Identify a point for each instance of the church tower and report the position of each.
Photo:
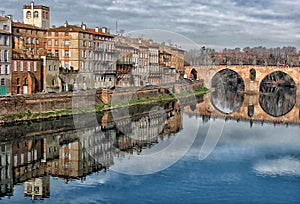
(36, 15)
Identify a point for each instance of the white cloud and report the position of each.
(220, 23)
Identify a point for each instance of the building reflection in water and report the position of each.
(73, 154)
(277, 94)
(227, 95)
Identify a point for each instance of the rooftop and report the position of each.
(23, 25)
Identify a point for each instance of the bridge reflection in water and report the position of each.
(276, 102)
(31, 153)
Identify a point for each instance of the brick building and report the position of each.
(28, 47)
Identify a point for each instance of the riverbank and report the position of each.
(49, 106)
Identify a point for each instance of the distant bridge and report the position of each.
(252, 84)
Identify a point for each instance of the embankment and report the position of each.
(42, 106)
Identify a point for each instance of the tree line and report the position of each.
(285, 56)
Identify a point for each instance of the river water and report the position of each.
(163, 153)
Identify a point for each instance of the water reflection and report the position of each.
(227, 96)
(32, 154)
(277, 94)
(49, 149)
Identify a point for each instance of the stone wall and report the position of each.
(39, 103)
(46, 102)
(126, 94)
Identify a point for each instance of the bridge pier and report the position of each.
(298, 88)
(251, 87)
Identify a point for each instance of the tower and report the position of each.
(36, 15)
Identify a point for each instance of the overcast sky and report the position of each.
(212, 23)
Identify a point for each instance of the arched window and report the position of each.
(28, 14)
(25, 81)
(36, 14)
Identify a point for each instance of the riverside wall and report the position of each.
(40, 103)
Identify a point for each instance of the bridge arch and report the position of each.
(194, 74)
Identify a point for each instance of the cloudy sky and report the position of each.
(213, 23)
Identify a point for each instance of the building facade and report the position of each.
(103, 62)
(51, 80)
(5, 55)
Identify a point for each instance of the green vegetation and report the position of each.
(52, 114)
(97, 108)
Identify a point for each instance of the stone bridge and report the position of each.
(252, 84)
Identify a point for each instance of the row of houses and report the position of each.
(141, 62)
(38, 58)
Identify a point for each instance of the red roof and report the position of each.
(23, 25)
(93, 31)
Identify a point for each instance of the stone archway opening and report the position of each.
(227, 91)
(194, 74)
(277, 93)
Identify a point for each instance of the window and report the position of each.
(67, 33)
(5, 27)
(18, 81)
(49, 34)
(49, 67)
(56, 42)
(28, 66)
(67, 54)
(56, 34)
(49, 42)
(3, 147)
(3, 71)
(15, 160)
(29, 156)
(36, 14)
(67, 43)
(22, 158)
(2, 82)
(34, 66)
(28, 14)
(7, 68)
(56, 53)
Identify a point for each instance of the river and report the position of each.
(159, 153)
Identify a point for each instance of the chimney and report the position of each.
(83, 26)
(97, 29)
(10, 17)
(104, 29)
